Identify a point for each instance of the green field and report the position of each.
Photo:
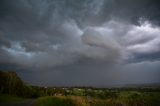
(54, 101)
(124, 98)
(9, 99)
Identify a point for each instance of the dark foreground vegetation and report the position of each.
(13, 89)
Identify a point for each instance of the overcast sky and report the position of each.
(81, 42)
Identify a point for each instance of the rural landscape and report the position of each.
(14, 92)
(79, 52)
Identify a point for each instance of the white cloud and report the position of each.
(143, 39)
(100, 45)
(113, 41)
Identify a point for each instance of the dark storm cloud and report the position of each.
(42, 35)
(95, 74)
(133, 10)
(45, 29)
(143, 57)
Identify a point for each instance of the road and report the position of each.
(29, 102)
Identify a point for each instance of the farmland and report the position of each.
(14, 90)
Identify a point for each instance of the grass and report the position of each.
(140, 99)
(9, 99)
(54, 101)
(123, 99)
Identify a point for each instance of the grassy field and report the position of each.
(54, 101)
(118, 98)
(125, 98)
(9, 99)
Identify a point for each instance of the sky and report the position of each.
(97, 43)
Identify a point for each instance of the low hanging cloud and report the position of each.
(52, 35)
(110, 42)
(144, 41)
(101, 46)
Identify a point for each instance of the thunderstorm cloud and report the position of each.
(81, 42)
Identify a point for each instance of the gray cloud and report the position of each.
(96, 74)
(68, 35)
(101, 46)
